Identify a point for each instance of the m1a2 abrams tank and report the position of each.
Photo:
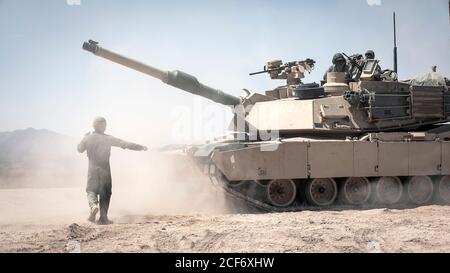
(359, 143)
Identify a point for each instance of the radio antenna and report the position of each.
(395, 46)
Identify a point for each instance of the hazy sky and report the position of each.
(47, 81)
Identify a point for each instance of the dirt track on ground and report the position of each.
(424, 229)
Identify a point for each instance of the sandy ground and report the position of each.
(35, 221)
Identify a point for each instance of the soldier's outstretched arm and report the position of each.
(126, 145)
(135, 147)
(82, 146)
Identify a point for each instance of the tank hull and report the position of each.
(395, 170)
(308, 158)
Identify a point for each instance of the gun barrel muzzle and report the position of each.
(91, 46)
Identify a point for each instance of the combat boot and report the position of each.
(104, 221)
(94, 211)
(104, 206)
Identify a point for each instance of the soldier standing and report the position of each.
(99, 184)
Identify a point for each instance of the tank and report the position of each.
(355, 142)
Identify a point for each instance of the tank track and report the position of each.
(221, 182)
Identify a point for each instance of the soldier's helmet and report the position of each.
(99, 124)
(338, 58)
(370, 55)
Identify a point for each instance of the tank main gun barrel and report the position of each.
(175, 78)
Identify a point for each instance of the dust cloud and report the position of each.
(155, 183)
(144, 183)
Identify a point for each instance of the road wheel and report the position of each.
(281, 192)
(321, 191)
(420, 189)
(444, 189)
(355, 191)
(389, 190)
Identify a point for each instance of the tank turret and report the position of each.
(175, 78)
(339, 108)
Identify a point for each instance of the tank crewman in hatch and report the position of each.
(99, 184)
(354, 63)
(370, 55)
(339, 65)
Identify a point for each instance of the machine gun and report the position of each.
(293, 72)
(353, 61)
(175, 78)
(356, 67)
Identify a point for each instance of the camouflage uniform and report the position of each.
(99, 183)
(339, 65)
(353, 70)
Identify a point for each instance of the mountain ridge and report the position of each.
(35, 157)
